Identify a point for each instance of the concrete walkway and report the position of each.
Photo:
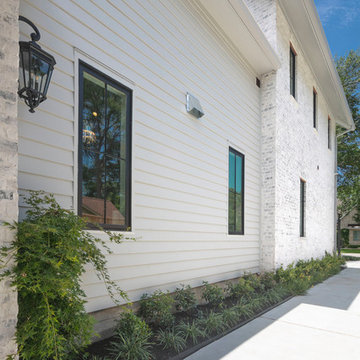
(351, 254)
(322, 325)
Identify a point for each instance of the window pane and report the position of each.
(314, 109)
(302, 208)
(116, 117)
(231, 192)
(236, 192)
(239, 195)
(92, 206)
(292, 73)
(115, 191)
(356, 235)
(103, 150)
(93, 114)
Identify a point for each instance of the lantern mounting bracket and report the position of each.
(34, 36)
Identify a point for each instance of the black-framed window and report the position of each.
(236, 192)
(292, 71)
(314, 108)
(302, 207)
(329, 133)
(104, 150)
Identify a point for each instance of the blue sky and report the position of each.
(341, 22)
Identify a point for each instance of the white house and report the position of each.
(248, 186)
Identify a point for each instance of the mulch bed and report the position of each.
(99, 348)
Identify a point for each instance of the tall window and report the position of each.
(302, 207)
(104, 150)
(329, 133)
(314, 108)
(292, 71)
(236, 192)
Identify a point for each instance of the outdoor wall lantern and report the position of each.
(35, 69)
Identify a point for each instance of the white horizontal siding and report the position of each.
(179, 163)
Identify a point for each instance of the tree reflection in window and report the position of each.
(104, 150)
(236, 193)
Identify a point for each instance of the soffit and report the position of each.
(235, 20)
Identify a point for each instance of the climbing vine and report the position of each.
(44, 263)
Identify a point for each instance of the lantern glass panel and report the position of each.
(24, 77)
(39, 71)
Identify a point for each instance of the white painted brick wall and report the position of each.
(9, 37)
(301, 151)
(268, 165)
(292, 149)
(264, 12)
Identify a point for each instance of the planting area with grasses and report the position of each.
(350, 250)
(172, 325)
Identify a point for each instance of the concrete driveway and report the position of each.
(324, 324)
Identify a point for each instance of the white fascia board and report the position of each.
(305, 22)
(236, 21)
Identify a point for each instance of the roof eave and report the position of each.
(305, 21)
(237, 23)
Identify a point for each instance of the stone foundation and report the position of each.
(9, 59)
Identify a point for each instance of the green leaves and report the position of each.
(212, 294)
(348, 145)
(191, 331)
(185, 298)
(298, 278)
(156, 309)
(132, 339)
(171, 339)
(49, 253)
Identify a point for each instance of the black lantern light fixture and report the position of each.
(35, 69)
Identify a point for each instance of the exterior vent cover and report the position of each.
(193, 106)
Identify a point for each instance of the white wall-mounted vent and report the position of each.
(193, 106)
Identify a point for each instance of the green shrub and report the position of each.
(298, 278)
(257, 303)
(132, 339)
(230, 317)
(275, 295)
(191, 331)
(130, 325)
(345, 238)
(254, 281)
(350, 258)
(185, 298)
(239, 289)
(50, 251)
(212, 294)
(213, 323)
(171, 339)
(87, 356)
(268, 280)
(244, 310)
(156, 309)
